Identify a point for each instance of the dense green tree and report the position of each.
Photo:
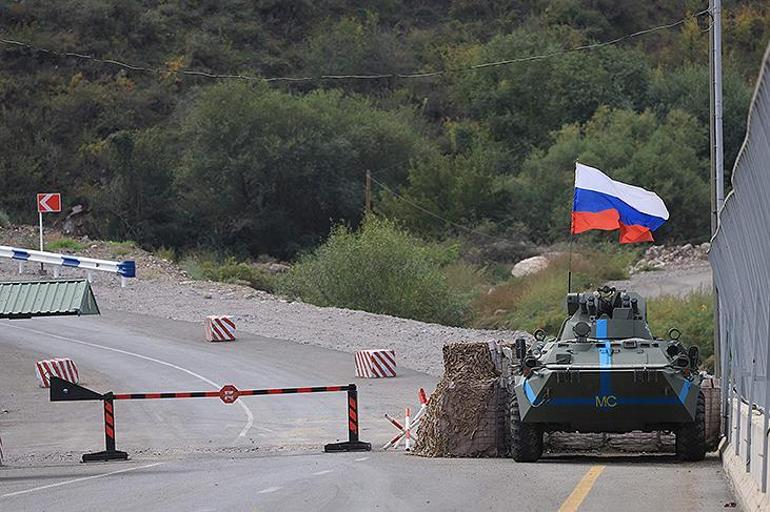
(687, 89)
(354, 47)
(523, 102)
(138, 200)
(270, 172)
(464, 187)
(635, 148)
(607, 19)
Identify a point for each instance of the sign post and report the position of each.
(47, 203)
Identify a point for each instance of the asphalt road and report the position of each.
(679, 282)
(264, 453)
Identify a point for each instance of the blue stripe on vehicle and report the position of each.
(605, 361)
(601, 329)
(684, 391)
(70, 262)
(531, 396)
(634, 400)
(576, 400)
(648, 400)
(20, 255)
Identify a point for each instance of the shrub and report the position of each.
(381, 268)
(65, 244)
(166, 253)
(5, 219)
(692, 314)
(208, 267)
(467, 281)
(120, 249)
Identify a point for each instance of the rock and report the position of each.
(208, 296)
(661, 257)
(530, 266)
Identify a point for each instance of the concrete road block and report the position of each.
(62, 367)
(219, 328)
(374, 364)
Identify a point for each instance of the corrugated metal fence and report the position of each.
(740, 257)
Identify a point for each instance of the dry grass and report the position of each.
(537, 301)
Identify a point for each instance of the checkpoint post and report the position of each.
(62, 391)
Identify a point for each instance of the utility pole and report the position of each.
(717, 148)
(368, 193)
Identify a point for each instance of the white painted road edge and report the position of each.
(249, 415)
(76, 480)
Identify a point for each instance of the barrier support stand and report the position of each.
(110, 453)
(353, 444)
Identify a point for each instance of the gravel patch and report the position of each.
(166, 294)
(678, 282)
(418, 345)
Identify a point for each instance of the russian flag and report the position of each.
(603, 203)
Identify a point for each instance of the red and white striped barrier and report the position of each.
(62, 367)
(220, 328)
(375, 363)
(407, 431)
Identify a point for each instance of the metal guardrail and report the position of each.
(738, 257)
(125, 269)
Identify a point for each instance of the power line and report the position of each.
(377, 76)
(593, 46)
(437, 216)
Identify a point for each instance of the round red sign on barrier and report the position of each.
(229, 394)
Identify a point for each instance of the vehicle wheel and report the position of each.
(691, 437)
(526, 438)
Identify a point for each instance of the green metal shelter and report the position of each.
(60, 297)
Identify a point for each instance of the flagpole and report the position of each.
(569, 271)
(571, 236)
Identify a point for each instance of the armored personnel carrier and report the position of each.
(605, 372)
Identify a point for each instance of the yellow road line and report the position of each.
(574, 500)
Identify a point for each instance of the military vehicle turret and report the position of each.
(605, 372)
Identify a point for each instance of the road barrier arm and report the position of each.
(62, 390)
(125, 269)
(240, 392)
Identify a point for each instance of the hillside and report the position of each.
(112, 103)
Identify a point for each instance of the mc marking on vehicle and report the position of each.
(606, 401)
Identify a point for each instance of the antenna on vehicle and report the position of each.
(571, 238)
(569, 265)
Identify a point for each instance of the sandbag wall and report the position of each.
(467, 414)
